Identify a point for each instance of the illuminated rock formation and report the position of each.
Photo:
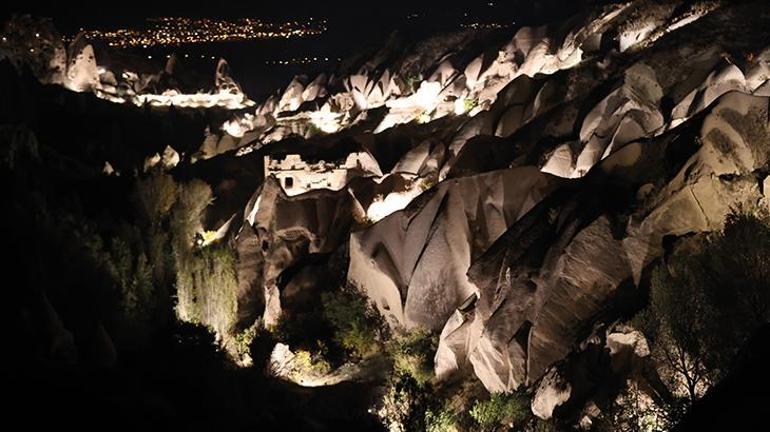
(413, 263)
(548, 179)
(279, 230)
(552, 271)
(82, 71)
(37, 44)
(297, 176)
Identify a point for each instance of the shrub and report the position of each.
(412, 354)
(634, 411)
(242, 342)
(308, 363)
(355, 324)
(470, 104)
(502, 409)
(441, 420)
(130, 273)
(404, 405)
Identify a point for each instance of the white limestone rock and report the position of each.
(627, 114)
(412, 264)
(82, 71)
(552, 391)
(280, 230)
(169, 158)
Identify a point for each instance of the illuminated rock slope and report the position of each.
(110, 75)
(540, 197)
(520, 183)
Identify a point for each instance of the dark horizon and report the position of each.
(362, 15)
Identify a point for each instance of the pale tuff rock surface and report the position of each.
(510, 262)
(82, 71)
(78, 67)
(552, 391)
(413, 263)
(513, 193)
(611, 354)
(626, 348)
(530, 322)
(517, 197)
(442, 76)
(285, 229)
(625, 115)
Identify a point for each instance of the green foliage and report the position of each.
(206, 279)
(308, 363)
(441, 420)
(540, 425)
(355, 324)
(243, 340)
(313, 130)
(632, 411)
(133, 259)
(412, 82)
(502, 409)
(410, 402)
(427, 183)
(186, 216)
(470, 104)
(412, 354)
(207, 288)
(130, 269)
(404, 405)
(18, 144)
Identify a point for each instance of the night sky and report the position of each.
(362, 15)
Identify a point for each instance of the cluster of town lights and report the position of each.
(298, 60)
(485, 26)
(173, 31)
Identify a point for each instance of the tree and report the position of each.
(154, 196)
(705, 305)
(682, 314)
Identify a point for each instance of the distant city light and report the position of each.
(297, 61)
(173, 31)
(485, 26)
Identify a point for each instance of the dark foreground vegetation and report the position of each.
(95, 267)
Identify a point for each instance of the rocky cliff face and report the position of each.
(521, 184)
(516, 266)
(81, 67)
(563, 163)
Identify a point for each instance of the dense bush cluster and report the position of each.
(501, 410)
(412, 354)
(355, 324)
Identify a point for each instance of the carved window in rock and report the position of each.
(288, 182)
